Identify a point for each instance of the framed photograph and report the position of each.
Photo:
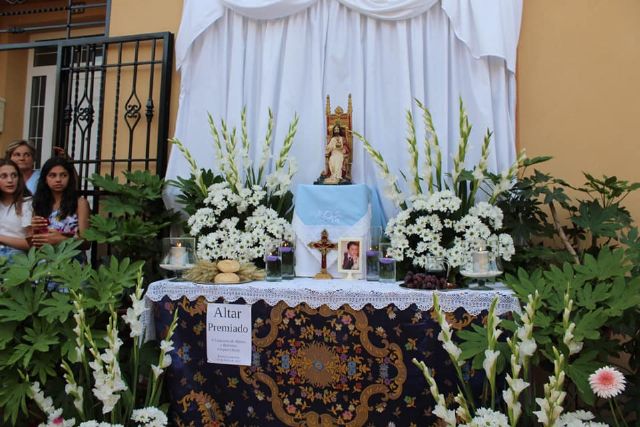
(350, 250)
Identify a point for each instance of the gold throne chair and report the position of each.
(338, 124)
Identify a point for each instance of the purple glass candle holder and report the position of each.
(287, 259)
(273, 267)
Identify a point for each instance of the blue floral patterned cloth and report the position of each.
(344, 366)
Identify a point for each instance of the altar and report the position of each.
(334, 352)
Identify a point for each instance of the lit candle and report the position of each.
(480, 259)
(178, 255)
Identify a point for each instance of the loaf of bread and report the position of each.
(226, 278)
(228, 266)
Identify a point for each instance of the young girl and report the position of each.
(58, 212)
(15, 210)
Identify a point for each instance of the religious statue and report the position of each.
(338, 149)
(337, 153)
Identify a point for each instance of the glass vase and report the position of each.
(287, 258)
(386, 264)
(273, 265)
(373, 269)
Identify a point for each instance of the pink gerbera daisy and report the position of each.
(607, 382)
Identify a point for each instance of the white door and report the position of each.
(39, 101)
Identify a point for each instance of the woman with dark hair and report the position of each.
(15, 210)
(58, 212)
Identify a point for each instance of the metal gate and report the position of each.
(112, 104)
(112, 100)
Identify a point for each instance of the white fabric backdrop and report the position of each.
(289, 54)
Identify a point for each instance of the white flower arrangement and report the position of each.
(442, 220)
(236, 225)
(273, 175)
(435, 226)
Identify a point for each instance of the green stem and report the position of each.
(465, 386)
(615, 403)
(134, 379)
(613, 412)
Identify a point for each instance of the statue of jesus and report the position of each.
(336, 154)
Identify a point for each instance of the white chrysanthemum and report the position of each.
(93, 423)
(150, 417)
(488, 418)
(578, 419)
(417, 233)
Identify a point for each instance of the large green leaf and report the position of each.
(579, 371)
(13, 398)
(600, 221)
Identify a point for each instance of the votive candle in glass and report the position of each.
(288, 261)
(387, 267)
(273, 267)
(373, 269)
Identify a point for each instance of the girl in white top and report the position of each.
(15, 211)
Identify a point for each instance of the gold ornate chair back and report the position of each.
(343, 120)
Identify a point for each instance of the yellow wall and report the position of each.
(579, 88)
(149, 16)
(13, 67)
(14, 63)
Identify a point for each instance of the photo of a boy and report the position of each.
(351, 258)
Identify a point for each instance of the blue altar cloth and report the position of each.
(349, 367)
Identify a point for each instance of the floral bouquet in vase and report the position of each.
(245, 209)
(440, 222)
(436, 227)
(236, 226)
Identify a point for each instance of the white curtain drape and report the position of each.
(287, 55)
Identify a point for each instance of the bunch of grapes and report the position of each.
(424, 281)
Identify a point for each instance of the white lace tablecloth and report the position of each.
(335, 293)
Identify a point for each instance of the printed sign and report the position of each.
(229, 334)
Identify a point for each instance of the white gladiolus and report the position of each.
(489, 362)
(166, 361)
(447, 415)
(44, 403)
(157, 371)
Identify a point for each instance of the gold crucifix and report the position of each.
(324, 246)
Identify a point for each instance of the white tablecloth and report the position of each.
(333, 293)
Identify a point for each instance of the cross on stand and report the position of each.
(324, 246)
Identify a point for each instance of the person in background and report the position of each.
(59, 213)
(15, 210)
(23, 154)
